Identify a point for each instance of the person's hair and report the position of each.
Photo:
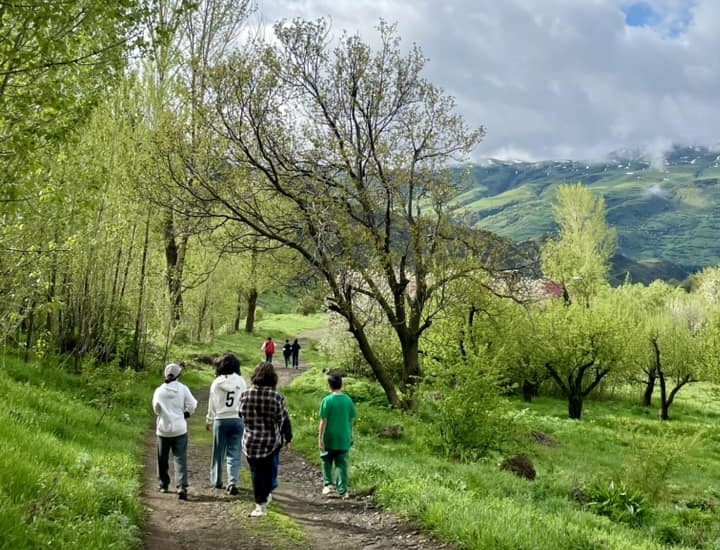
(227, 364)
(264, 375)
(335, 381)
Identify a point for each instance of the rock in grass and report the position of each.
(520, 465)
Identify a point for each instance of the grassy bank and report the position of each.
(71, 456)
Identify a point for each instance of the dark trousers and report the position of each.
(178, 446)
(262, 476)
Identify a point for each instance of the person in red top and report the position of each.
(268, 348)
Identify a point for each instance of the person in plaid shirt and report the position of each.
(263, 411)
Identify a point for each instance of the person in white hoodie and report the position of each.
(173, 404)
(227, 426)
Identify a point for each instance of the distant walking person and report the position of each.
(173, 404)
(287, 352)
(295, 352)
(337, 414)
(268, 348)
(264, 411)
(224, 420)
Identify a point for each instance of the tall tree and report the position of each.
(579, 258)
(185, 39)
(343, 155)
(57, 62)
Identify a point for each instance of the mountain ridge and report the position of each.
(664, 210)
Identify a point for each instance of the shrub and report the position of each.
(616, 502)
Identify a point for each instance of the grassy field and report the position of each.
(618, 479)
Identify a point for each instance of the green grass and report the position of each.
(63, 482)
(675, 465)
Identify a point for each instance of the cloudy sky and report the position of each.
(558, 79)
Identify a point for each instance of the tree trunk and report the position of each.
(251, 306)
(575, 406)
(175, 249)
(238, 312)
(649, 388)
(378, 369)
(664, 405)
(30, 331)
(411, 374)
(201, 316)
(529, 390)
(134, 352)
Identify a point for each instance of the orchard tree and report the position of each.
(344, 154)
(679, 347)
(582, 345)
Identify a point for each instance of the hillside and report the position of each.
(665, 215)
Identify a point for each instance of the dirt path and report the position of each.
(210, 519)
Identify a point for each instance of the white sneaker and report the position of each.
(260, 510)
(327, 489)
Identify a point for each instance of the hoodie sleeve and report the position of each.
(210, 416)
(190, 401)
(156, 403)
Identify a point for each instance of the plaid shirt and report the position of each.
(263, 410)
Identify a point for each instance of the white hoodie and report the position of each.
(170, 402)
(225, 397)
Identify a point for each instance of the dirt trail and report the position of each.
(210, 519)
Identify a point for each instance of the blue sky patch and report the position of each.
(640, 15)
(669, 19)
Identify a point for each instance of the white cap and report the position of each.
(172, 371)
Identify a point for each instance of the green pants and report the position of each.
(339, 459)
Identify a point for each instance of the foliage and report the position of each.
(649, 465)
(462, 393)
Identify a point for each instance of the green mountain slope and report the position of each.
(664, 215)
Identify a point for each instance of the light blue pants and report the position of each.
(226, 451)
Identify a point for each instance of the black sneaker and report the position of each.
(182, 494)
(232, 490)
(163, 489)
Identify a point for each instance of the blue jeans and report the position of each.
(227, 447)
(275, 470)
(178, 446)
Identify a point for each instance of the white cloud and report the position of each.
(557, 78)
